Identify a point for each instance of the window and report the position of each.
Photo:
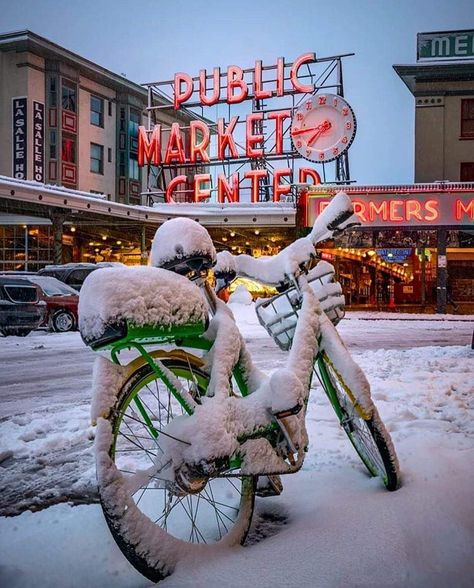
(122, 163)
(97, 111)
(97, 158)
(109, 154)
(53, 147)
(133, 170)
(69, 96)
(110, 108)
(52, 92)
(467, 118)
(68, 150)
(133, 123)
(467, 171)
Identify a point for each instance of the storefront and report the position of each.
(414, 249)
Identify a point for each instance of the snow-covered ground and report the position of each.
(332, 526)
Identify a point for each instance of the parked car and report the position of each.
(61, 303)
(72, 274)
(21, 309)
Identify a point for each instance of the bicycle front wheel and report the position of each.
(154, 518)
(369, 437)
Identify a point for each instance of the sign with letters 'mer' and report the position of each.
(445, 45)
(19, 137)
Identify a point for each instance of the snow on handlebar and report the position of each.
(274, 270)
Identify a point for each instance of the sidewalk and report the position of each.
(371, 315)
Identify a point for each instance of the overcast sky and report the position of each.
(150, 40)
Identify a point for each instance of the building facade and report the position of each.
(442, 83)
(67, 121)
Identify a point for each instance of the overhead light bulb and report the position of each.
(73, 229)
(232, 234)
(257, 232)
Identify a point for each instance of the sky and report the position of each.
(150, 40)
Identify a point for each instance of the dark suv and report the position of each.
(21, 310)
(72, 274)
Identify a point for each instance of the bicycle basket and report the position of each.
(279, 314)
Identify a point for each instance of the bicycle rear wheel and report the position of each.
(369, 438)
(154, 518)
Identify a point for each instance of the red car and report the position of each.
(61, 302)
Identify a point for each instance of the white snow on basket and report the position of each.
(141, 295)
(275, 269)
(180, 238)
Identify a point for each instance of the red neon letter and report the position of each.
(432, 207)
(216, 87)
(175, 149)
(235, 79)
(462, 209)
(151, 150)
(225, 191)
(280, 189)
(255, 175)
(258, 91)
(199, 141)
(413, 209)
(312, 173)
(279, 117)
(225, 138)
(297, 85)
(199, 192)
(280, 76)
(381, 209)
(359, 209)
(181, 95)
(172, 185)
(253, 121)
(394, 214)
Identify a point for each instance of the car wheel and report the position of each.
(63, 321)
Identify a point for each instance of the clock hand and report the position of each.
(322, 128)
(305, 130)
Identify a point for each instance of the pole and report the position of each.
(143, 251)
(442, 274)
(57, 218)
(26, 248)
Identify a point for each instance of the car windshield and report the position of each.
(52, 286)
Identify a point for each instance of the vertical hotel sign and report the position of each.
(19, 136)
(38, 141)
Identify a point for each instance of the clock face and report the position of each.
(323, 127)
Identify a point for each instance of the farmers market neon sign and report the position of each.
(379, 210)
(178, 146)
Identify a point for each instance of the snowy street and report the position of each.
(331, 522)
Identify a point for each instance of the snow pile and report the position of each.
(226, 263)
(180, 238)
(107, 380)
(241, 295)
(141, 295)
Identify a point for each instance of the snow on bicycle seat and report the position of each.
(142, 296)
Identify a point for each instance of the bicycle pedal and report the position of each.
(269, 486)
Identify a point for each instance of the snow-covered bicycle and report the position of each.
(189, 431)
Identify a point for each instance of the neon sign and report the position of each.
(408, 210)
(246, 139)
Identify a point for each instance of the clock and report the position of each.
(323, 127)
